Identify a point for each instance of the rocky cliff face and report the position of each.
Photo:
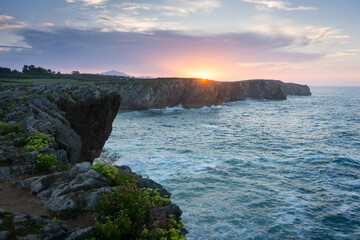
(90, 112)
(79, 119)
(196, 93)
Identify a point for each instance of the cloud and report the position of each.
(94, 49)
(5, 17)
(347, 52)
(88, 2)
(44, 24)
(340, 36)
(352, 50)
(282, 5)
(4, 49)
(172, 7)
(340, 54)
(4, 24)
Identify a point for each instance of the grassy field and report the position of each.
(92, 79)
(36, 80)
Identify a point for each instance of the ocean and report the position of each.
(254, 169)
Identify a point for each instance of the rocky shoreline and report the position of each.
(50, 135)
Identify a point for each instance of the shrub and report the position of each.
(11, 103)
(112, 173)
(155, 199)
(118, 228)
(44, 162)
(65, 95)
(37, 141)
(11, 131)
(172, 232)
(50, 97)
(127, 205)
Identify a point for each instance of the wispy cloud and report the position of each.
(44, 24)
(347, 52)
(88, 2)
(172, 7)
(282, 5)
(4, 24)
(340, 36)
(341, 54)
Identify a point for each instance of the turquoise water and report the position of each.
(254, 169)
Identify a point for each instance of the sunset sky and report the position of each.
(315, 42)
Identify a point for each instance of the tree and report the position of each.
(36, 70)
(75, 72)
(5, 70)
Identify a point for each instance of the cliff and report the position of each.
(196, 93)
(49, 137)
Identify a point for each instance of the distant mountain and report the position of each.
(115, 73)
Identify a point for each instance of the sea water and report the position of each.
(254, 169)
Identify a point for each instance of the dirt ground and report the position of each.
(14, 199)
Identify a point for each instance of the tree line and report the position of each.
(33, 72)
(31, 69)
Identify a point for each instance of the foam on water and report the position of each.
(254, 169)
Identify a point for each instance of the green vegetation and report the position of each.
(113, 175)
(124, 212)
(65, 95)
(11, 103)
(34, 80)
(29, 227)
(10, 131)
(44, 162)
(172, 232)
(35, 141)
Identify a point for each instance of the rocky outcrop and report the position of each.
(36, 227)
(195, 93)
(68, 192)
(297, 89)
(90, 113)
(78, 118)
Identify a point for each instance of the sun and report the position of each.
(203, 75)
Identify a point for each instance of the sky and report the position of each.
(314, 42)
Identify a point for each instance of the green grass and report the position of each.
(36, 80)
